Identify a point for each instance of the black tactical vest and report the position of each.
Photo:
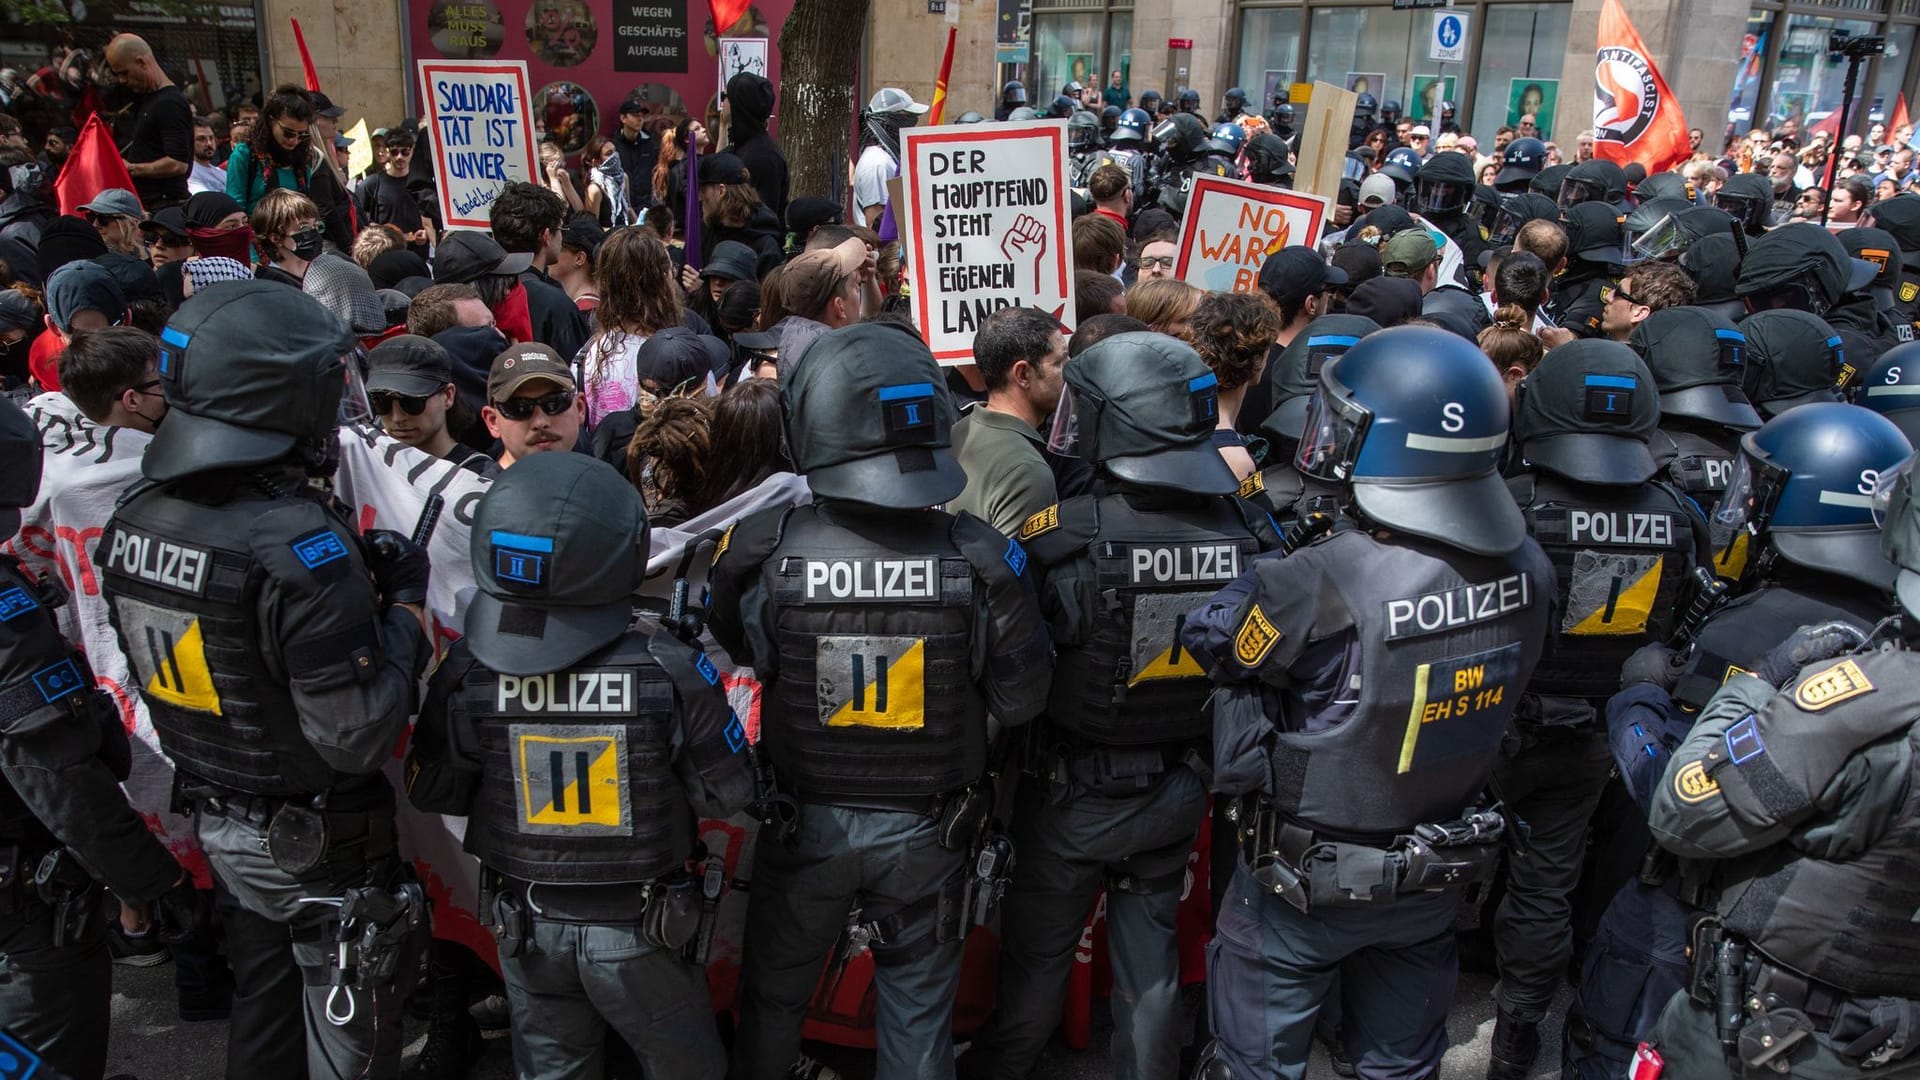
(577, 785)
(1620, 558)
(1447, 641)
(43, 680)
(183, 587)
(1131, 682)
(874, 627)
(1700, 465)
(1739, 635)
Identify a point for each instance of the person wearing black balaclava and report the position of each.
(880, 124)
(751, 98)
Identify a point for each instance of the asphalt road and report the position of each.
(151, 1043)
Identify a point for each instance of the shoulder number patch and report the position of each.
(1256, 638)
(1829, 687)
(1253, 485)
(1044, 521)
(1692, 785)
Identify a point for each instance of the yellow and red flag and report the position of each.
(939, 106)
(1636, 115)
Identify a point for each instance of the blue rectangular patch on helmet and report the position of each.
(519, 558)
(1016, 557)
(909, 410)
(58, 681)
(707, 671)
(16, 602)
(1321, 341)
(1733, 347)
(1743, 741)
(1206, 397)
(1609, 395)
(318, 549)
(170, 341)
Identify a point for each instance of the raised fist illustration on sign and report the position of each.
(1027, 239)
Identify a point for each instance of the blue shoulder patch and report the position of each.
(317, 549)
(16, 602)
(1016, 557)
(58, 680)
(18, 1061)
(706, 669)
(736, 732)
(1743, 741)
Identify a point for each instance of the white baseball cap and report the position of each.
(1419, 129)
(889, 99)
(1376, 190)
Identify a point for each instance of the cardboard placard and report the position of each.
(1232, 226)
(1323, 142)
(742, 54)
(480, 122)
(986, 226)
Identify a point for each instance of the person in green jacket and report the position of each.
(278, 153)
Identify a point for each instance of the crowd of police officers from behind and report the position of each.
(1624, 644)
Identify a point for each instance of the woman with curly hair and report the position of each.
(279, 151)
(1164, 304)
(638, 299)
(1233, 333)
(668, 458)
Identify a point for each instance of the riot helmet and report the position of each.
(1083, 132)
(1663, 185)
(1444, 184)
(1805, 482)
(20, 458)
(1109, 119)
(1268, 161)
(1188, 101)
(970, 117)
(1548, 182)
(1144, 407)
(1900, 217)
(1749, 198)
(1517, 210)
(1592, 181)
(559, 546)
(1183, 137)
(1414, 419)
(1063, 107)
(1150, 103)
(1390, 112)
(1520, 162)
(1892, 388)
(1227, 139)
(1401, 166)
(1235, 100)
(1697, 358)
(869, 420)
(1800, 265)
(1589, 415)
(1653, 229)
(1292, 378)
(1793, 358)
(1593, 235)
(1074, 90)
(1878, 247)
(1283, 114)
(1898, 514)
(1024, 112)
(1132, 126)
(251, 371)
(1447, 109)
(1365, 106)
(1013, 94)
(1714, 264)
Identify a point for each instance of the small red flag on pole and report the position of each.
(940, 87)
(306, 58)
(93, 166)
(726, 13)
(1899, 114)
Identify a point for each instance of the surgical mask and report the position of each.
(307, 243)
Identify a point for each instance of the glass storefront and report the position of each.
(1269, 44)
(1786, 76)
(1521, 52)
(1087, 46)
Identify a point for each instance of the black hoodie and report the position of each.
(751, 98)
(762, 233)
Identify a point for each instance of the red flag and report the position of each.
(726, 13)
(1900, 118)
(940, 86)
(92, 166)
(1830, 124)
(306, 58)
(1636, 116)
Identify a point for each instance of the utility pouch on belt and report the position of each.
(512, 924)
(1126, 770)
(297, 839)
(672, 917)
(64, 886)
(713, 885)
(964, 815)
(992, 870)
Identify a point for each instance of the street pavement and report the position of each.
(151, 1043)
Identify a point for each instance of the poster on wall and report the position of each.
(985, 224)
(1367, 82)
(479, 126)
(1272, 80)
(1232, 226)
(583, 58)
(1080, 69)
(1535, 98)
(1428, 92)
(742, 54)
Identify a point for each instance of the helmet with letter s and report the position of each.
(1414, 420)
(1891, 388)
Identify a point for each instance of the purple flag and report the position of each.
(690, 225)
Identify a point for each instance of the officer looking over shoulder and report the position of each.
(1118, 766)
(64, 822)
(277, 649)
(1365, 682)
(883, 633)
(1798, 787)
(624, 732)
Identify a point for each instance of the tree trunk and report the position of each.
(819, 53)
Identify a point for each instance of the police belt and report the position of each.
(614, 904)
(1309, 868)
(1776, 989)
(358, 796)
(932, 806)
(18, 863)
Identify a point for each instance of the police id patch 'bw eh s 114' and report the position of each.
(1460, 706)
(871, 682)
(571, 779)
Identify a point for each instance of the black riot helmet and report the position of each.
(1390, 112)
(1282, 95)
(1150, 102)
(1235, 100)
(1697, 359)
(1268, 161)
(1713, 262)
(251, 372)
(1517, 210)
(1804, 483)
(1188, 101)
(1414, 419)
(1593, 181)
(1800, 265)
(1109, 119)
(1520, 162)
(1900, 217)
(1892, 388)
(1013, 94)
(1365, 106)
(1593, 235)
(1878, 247)
(1083, 131)
(1749, 198)
(1663, 185)
(1548, 181)
(1793, 358)
(1132, 126)
(1589, 415)
(1183, 136)
(20, 457)
(1063, 107)
(1447, 109)
(1653, 229)
(869, 420)
(1144, 407)
(1444, 184)
(1283, 114)
(1898, 514)
(1294, 375)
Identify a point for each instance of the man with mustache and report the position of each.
(533, 404)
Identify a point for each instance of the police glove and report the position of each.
(1807, 645)
(181, 912)
(1656, 664)
(399, 567)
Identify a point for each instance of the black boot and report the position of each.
(1515, 1044)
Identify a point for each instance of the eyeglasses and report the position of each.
(1610, 293)
(383, 402)
(1164, 262)
(296, 134)
(141, 388)
(522, 408)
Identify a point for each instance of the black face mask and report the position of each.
(14, 354)
(307, 243)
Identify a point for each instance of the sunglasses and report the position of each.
(383, 403)
(141, 388)
(1610, 293)
(522, 408)
(297, 135)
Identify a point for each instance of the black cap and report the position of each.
(1384, 220)
(732, 260)
(1803, 250)
(1793, 358)
(1388, 301)
(634, 104)
(324, 106)
(559, 545)
(722, 168)
(1294, 273)
(1879, 247)
(1900, 216)
(1359, 261)
(170, 219)
(1147, 407)
(467, 255)
(676, 356)
(869, 420)
(409, 366)
(809, 212)
(1295, 373)
(1589, 414)
(1593, 233)
(249, 370)
(1697, 358)
(583, 234)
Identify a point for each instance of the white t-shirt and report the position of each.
(609, 369)
(870, 176)
(206, 177)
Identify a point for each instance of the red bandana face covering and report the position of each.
(235, 244)
(512, 317)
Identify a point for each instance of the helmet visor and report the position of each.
(1443, 197)
(1330, 438)
(1656, 241)
(1883, 487)
(354, 409)
(1751, 494)
(1574, 192)
(1065, 434)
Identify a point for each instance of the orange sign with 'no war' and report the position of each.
(1232, 226)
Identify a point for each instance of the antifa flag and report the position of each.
(1636, 116)
(93, 166)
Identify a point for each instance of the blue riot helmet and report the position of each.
(1133, 126)
(1227, 139)
(1414, 419)
(1083, 131)
(1150, 102)
(1013, 94)
(1898, 514)
(1804, 483)
(1520, 162)
(1390, 112)
(1188, 101)
(1109, 119)
(1892, 388)
(1063, 107)
(1235, 100)
(1283, 113)
(1401, 166)
(1365, 106)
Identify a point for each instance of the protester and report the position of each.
(385, 198)
(638, 299)
(750, 98)
(532, 404)
(1164, 304)
(731, 210)
(159, 150)
(1233, 333)
(638, 150)
(279, 151)
(887, 112)
(606, 195)
(572, 269)
(1020, 353)
(410, 389)
(527, 219)
(207, 173)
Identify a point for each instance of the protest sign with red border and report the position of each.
(480, 126)
(986, 225)
(1232, 226)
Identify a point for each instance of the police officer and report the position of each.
(883, 634)
(1622, 545)
(1816, 563)
(1012, 96)
(1793, 358)
(1800, 266)
(1864, 318)
(1150, 102)
(1891, 387)
(64, 822)
(1447, 125)
(1520, 162)
(1547, 181)
(1233, 106)
(1129, 149)
(1280, 119)
(1402, 164)
(1223, 150)
(1598, 180)
(1364, 107)
(1652, 230)
(1594, 249)
(1188, 101)
(1083, 147)
(1362, 827)
(1390, 119)
(277, 650)
(1183, 145)
(1801, 801)
(1441, 191)
(1900, 217)
(582, 748)
(1276, 406)
(1515, 211)
(1269, 161)
(1749, 198)
(1712, 248)
(1063, 107)
(1665, 185)
(1118, 763)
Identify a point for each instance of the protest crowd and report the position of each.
(1507, 562)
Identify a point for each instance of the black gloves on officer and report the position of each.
(1656, 664)
(181, 912)
(399, 566)
(1808, 645)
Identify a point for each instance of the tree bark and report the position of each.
(819, 54)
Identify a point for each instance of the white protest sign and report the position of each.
(742, 54)
(986, 226)
(480, 121)
(1449, 41)
(1233, 225)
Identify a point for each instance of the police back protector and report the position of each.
(43, 681)
(1739, 635)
